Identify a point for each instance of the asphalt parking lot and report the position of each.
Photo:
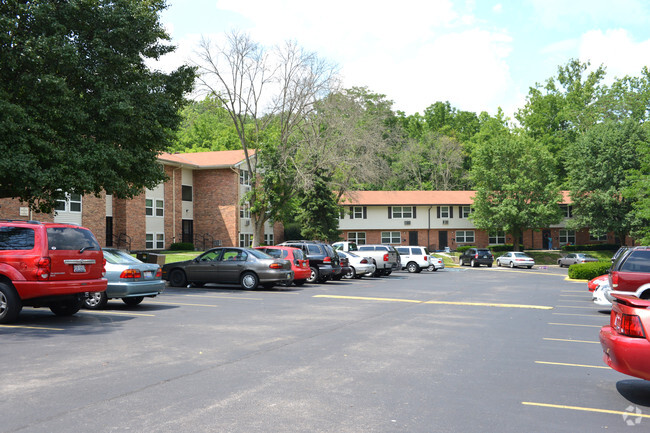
(458, 350)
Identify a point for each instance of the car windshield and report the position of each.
(117, 257)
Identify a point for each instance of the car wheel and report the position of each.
(433, 268)
(512, 265)
(412, 267)
(313, 278)
(177, 278)
(489, 265)
(351, 274)
(498, 262)
(96, 301)
(10, 304)
(299, 282)
(249, 281)
(473, 263)
(378, 273)
(133, 300)
(529, 267)
(66, 308)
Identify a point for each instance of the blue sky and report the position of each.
(478, 55)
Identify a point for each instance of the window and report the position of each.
(464, 236)
(159, 207)
(268, 239)
(497, 238)
(358, 238)
(244, 178)
(245, 240)
(465, 211)
(16, 238)
(149, 241)
(444, 211)
(567, 237)
(160, 241)
(245, 210)
(72, 203)
(186, 193)
(593, 237)
(402, 211)
(567, 210)
(148, 209)
(357, 212)
(391, 237)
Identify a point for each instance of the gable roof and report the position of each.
(416, 198)
(206, 160)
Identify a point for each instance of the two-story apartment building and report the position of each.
(439, 219)
(201, 203)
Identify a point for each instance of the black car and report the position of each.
(323, 260)
(477, 257)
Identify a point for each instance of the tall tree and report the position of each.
(515, 185)
(598, 166)
(81, 112)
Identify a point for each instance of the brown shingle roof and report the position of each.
(216, 159)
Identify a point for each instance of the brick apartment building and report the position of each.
(200, 203)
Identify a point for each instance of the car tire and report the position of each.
(412, 267)
(299, 283)
(66, 308)
(314, 277)
(498, 262)
(177, 278)
(489, 265)
(351, 274)
(512, 265)
(529, 267)
(10, 304)
(473, 263)
(249, 281)
(96, 301)
(378, 273)
(133, 300)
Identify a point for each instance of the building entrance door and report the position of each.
(413, 238)
(442, 240)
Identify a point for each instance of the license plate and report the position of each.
(79, 268)
(148, 274)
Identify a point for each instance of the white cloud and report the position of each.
(617, 50)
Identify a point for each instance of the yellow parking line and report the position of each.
(585, 409)
(117, 313)
(474, 304)
(181, 303)
(576, 324)
(32, 327)
(571, 341)
(572, 365)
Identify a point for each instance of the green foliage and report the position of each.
(292, 231)
(81, 112)
(463, 248)
(504, 248)
(181, 246)
(590, 247)
(587, 271)
(318, 212)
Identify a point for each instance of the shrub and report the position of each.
(463, 248)
(504, 248)
(592, 247)
(182, 246)
(587, 271)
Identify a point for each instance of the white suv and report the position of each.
(414, 258)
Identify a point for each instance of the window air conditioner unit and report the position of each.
(247, 222)
(407, 223)
(445, 222)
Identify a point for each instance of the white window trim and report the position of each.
(390, 235)
(444, 211)
(465, 237)
(401, 214)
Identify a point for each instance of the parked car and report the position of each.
(128, 279)
(323, 260)
(516, 259)
(385, 258)
(230, 265)
(576, 258)
(630, 273)
(359, 266)
(345, 246)
(299, 263)
(47, 265)
(626, 341)
(346, 269)
(414, 258)
(476, 257)
(436, 263)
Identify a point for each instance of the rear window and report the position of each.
(16, 238)
(403, 251)
(117, 257)
(365, 248)
(638, 261)
(274, 252)
(297, 254)
(70, 238)
(313, 249)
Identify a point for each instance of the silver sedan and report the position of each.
(575, 258)
(516, 259)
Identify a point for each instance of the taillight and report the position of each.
(614, 279)
(385, 257)
(131, 273)
(364, 261)
(476, 256)
(275, 266)
(104, 268)
(627, 324)
(159, 273)
(44, 266)
(327, 260)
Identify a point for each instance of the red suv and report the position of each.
(630, 273)
(47, 265)
(299, 263)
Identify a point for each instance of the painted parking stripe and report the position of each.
(473, 304)
(42, 328)
(574, 306)
(116, 313)
(576, 324)
(572, 365)
(224, 297)
(584, 409)
(181, 303)
(571, 341)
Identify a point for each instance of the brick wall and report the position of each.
(216, 209)
(94, 216)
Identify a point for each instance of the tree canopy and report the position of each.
(82, 113)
